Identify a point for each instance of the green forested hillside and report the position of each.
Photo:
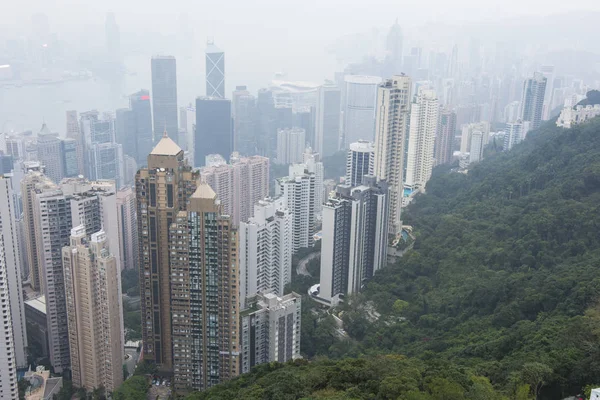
(385, 377)
(498, 299)
(505, 270)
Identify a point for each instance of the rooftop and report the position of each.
(39, 303)
(166, 147)
(204, 191)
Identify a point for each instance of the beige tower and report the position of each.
(391, 128)
(93, 311)
(162, 190)
(205, 296)
(31, 181)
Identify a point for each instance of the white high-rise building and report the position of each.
(359, 162)
(514, 133)
(467, 132)
(355, 238)
(271, 330)
(393, 116)
(423, 126)
(128, 238)
(266, 249)
(359, 108)
(299, 192)
(291, 142)
(239, 185)
(314, 165)
(476, 153)
(327, 120)
(12, 314)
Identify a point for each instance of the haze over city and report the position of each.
(290, 200)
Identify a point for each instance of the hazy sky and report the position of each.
(260, 37)
(306, 14)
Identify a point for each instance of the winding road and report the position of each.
(301, 268)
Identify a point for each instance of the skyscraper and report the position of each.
(424, 116)
(74, 133)
(266, 250)
(113, 40)
(239, 185)
(532, 100)
(215, 71)
(50, 154)
(95, 320)
(10, 285)
(393, 47)
(52, 220)
(127, 223)
(444, 141)
(213, 128)
(393, 115)
(299, 191)
(548, 72)
(467, 131)
(476, 153)
(271, 330)
(162, 190)
(139, 103)
(327, 120)
(514, 133)
(164, 97)
(359, 108)
(244, 120)
(103, 155)
(360, 161)
(291, 143)
(354, 242)
(29, 183)
(205, 298)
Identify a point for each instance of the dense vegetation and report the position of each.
(385, 377)
(505, 268)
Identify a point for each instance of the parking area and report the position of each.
(160, 390)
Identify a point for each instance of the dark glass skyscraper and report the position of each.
(213, 129)
(142, 118)
(215, 71)
(164, 96)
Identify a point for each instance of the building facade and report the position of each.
(127, 227)
(266, 250)
(354, 242)
(327, 120)
(359, 108)
(95, 321)
(164, 97)
(392, 122)
(215, 71)
(12, 314)
(214, 133)
(239, 184)
(424, 116)
(162, 190)
(270, 329)
(360, 161)
(291, 143)
(299, 192)
(532, 100)
(444, 141)
(205, 296)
